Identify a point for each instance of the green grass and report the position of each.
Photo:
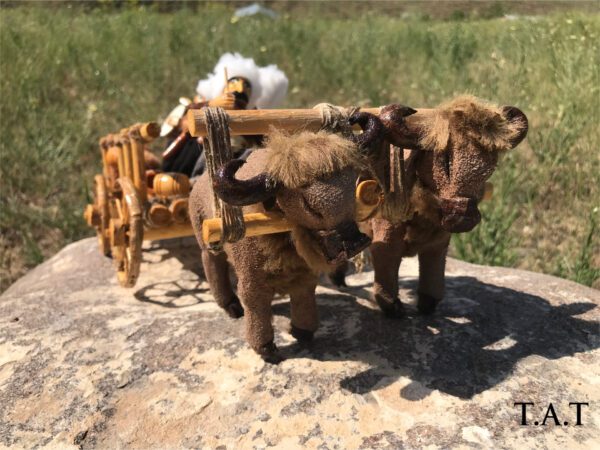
(68, 78)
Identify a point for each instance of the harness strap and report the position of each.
(217, 148)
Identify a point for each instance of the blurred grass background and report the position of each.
(71, 73)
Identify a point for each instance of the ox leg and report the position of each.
(338, 276)
(305, 319)
(216, 269)
(386, 253)
(432, 265)
(257, 298)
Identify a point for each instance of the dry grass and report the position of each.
(68, 78)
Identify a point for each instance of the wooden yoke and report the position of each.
(368, 198)
(259, 121)
(256, 122)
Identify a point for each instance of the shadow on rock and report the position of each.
(172, 294)
(185, 250)
(181, 292)
(472, 342)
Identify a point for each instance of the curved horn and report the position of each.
(516, 117)
(242, 192)
(397, 112)
(399, 131)
(373, 130)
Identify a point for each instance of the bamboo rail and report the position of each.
(259, 121)
(256, 224)
(172, 231)
(368, 198)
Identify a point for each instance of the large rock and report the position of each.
(85, 363)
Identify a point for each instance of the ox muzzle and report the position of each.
(459, 214)
(342, 242)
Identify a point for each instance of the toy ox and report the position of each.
(454, 150)
(311, 179)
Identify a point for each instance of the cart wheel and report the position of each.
(97, 216)
(126, 232)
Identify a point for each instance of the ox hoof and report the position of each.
(270, 354)
(302, 336)
(427, 304)
(234, 309)
(338, 279)
(338, 276)
(394, 310)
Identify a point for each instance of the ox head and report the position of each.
(460, 142)
(477, 134)
(311, 178)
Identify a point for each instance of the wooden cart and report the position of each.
(133, 203)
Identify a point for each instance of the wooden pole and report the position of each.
(120, 160)
(128, 160)
(149, 131)
(259, 121)
(256, 224)
(172, 231)
(103, 148)
(368, 198)
(139, 169)
(133, 139)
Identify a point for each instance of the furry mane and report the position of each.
(295, 160)
(469, 119)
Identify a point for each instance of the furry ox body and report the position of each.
(311, 178)
(454, 149)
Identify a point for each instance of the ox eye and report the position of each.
(447, 162)
(310, 209)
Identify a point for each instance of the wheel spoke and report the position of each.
(127, 230)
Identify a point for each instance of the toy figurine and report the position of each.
(311, 179)
(427, 185)
(454, 149)
(433, 176)
(236, 83)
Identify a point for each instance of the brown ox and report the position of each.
(455, 149)
(311, 178)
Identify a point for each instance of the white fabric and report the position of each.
(269, 84)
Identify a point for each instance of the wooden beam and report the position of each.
(172, 231)
(259, 121)
(256, 224)
(368, 199)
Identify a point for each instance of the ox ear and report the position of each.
(518, 122)
(242, 192)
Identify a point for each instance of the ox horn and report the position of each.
(242, 192)
(372, 130)
(516, 117)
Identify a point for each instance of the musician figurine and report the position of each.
(236, 83)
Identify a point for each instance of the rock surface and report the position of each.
(87, 364)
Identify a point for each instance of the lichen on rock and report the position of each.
(87, 364)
